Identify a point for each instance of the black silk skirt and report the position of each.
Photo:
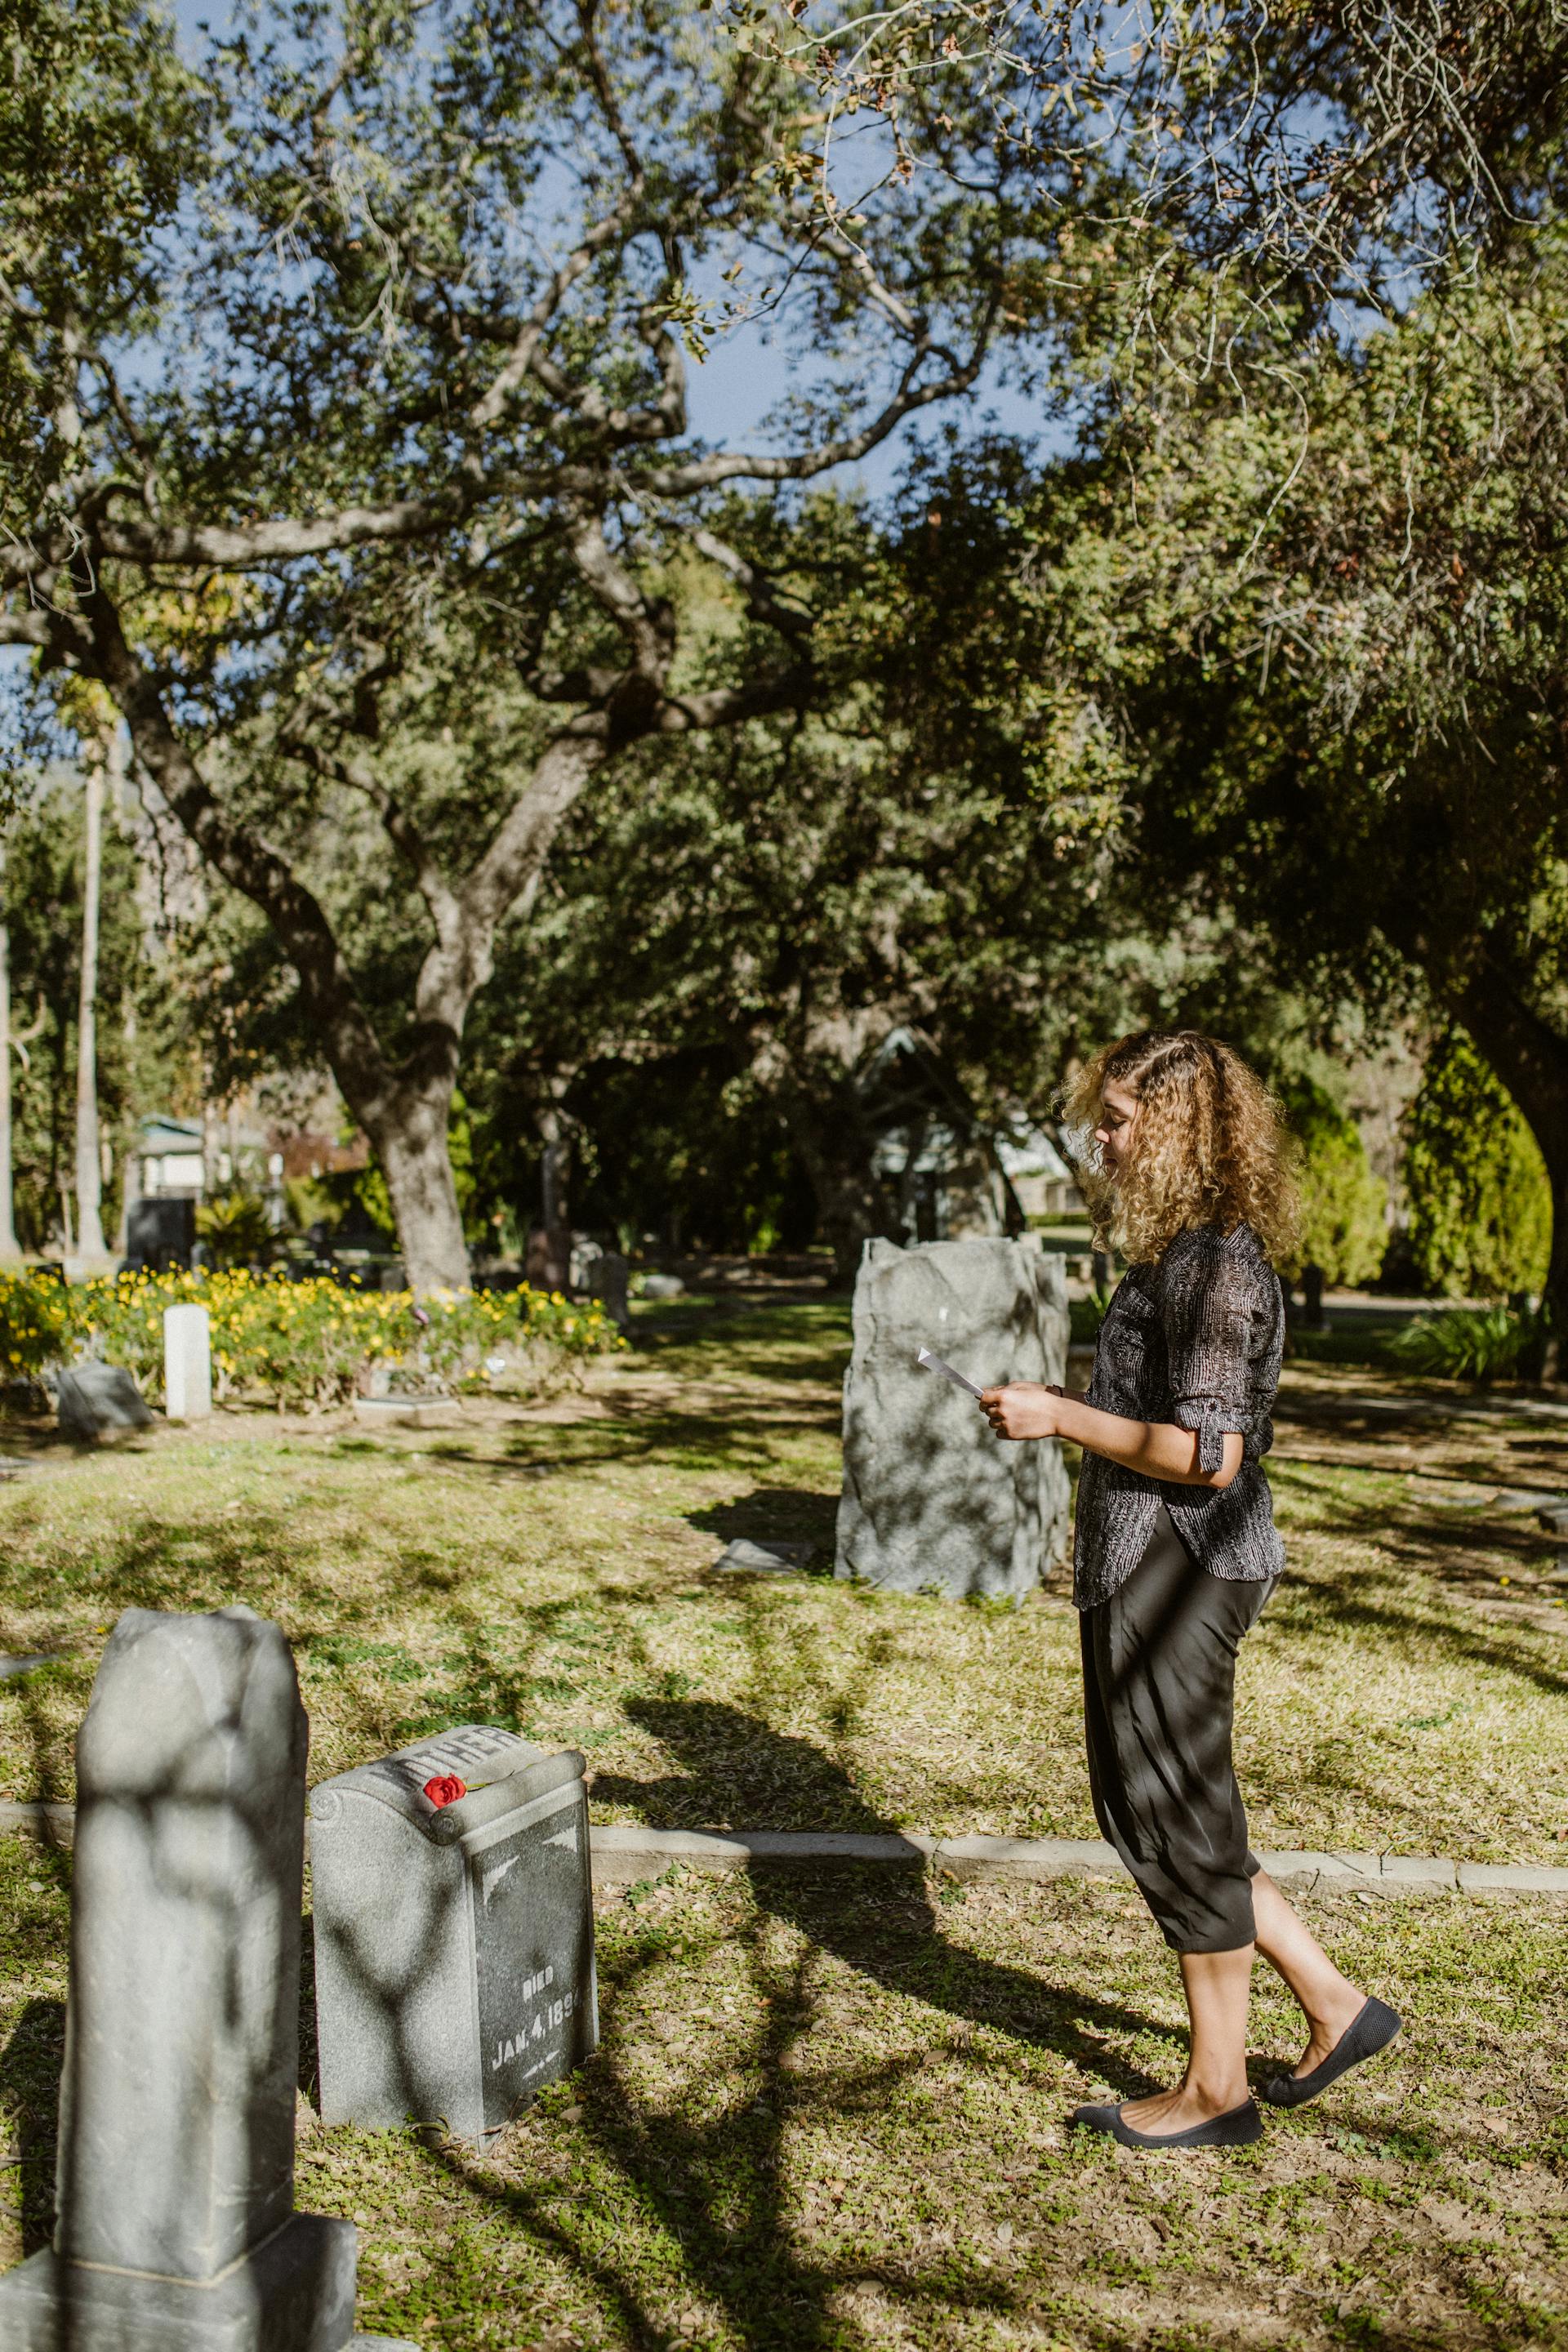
(1159, 1687)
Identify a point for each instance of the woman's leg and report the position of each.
(1215, 1984)
(1330, 2001)
(1159, 1673)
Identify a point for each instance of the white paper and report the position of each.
(934, 1364)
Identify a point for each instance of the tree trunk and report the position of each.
(554, 1167)
(408, 1134)
(89, 1153)
(835, 1150)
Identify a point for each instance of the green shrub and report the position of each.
(1085, 1317)
(1470, 1343)
(35, 1324)
(1480, 1204)
(1345, 1207)
(234, 1227)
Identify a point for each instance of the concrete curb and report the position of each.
(56, 1824)
(625, 1853)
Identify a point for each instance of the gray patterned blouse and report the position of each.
(1194, 1338)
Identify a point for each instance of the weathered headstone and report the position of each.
(606, 1279)
(454, 1938)
(931, 1501)
(159, 1234)
(547, 1257)
(94, 1400)
(187, 1362)
(177, 2231)
(663, 1286)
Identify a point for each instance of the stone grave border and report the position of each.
(625, 1855)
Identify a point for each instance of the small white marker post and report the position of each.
(187, 1363)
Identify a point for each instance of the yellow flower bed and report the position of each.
(310, 1342)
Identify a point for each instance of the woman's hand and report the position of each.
(1023, 1409)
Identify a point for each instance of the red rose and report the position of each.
(446, 1789)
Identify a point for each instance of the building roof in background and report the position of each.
(160, 1134)
(1029, 1152)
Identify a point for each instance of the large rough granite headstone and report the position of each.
(454, 1934)
(933, 1502)
(177, 2231)
(94, 1400)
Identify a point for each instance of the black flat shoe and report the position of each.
(1238, 2128)
(1372, 2030)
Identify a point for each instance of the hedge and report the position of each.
(295, 1343)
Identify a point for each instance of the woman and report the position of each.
(1176, 1553)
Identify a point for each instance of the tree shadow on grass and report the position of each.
(30, 2068)
(714, 2193)
(900, 1946)
(785, 1514)
(719, 2185)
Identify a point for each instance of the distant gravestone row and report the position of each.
(94, 1400)
(455, 1978)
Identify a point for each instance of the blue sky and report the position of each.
(729, 394)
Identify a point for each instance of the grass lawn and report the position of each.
(830, 2113)
(549, 1569)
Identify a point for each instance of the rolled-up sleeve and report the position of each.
(1208, 1302)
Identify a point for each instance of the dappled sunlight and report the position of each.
(830, 2111)
(551, 1570)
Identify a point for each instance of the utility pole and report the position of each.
(8, 1245)
(12, 1041)
(90, 1243)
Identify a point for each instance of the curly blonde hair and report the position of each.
(1211, 1147)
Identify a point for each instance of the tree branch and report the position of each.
(725, 706)
(648, 629)
(519, 848)
(765, 599)
(240, 855)
(137, 539)
(402, 832)
(707, 473)
(488, 409)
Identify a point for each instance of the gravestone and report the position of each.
(159, 1234)
(931, 1501)
(775, 1559)
(187, 1363)
(177, 2231)
(547, 1258)
(454, 1934)
(94, 1400)
(607, 1277)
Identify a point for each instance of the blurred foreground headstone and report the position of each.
(177, 2231)
(931, 1501)
(454, 1928)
